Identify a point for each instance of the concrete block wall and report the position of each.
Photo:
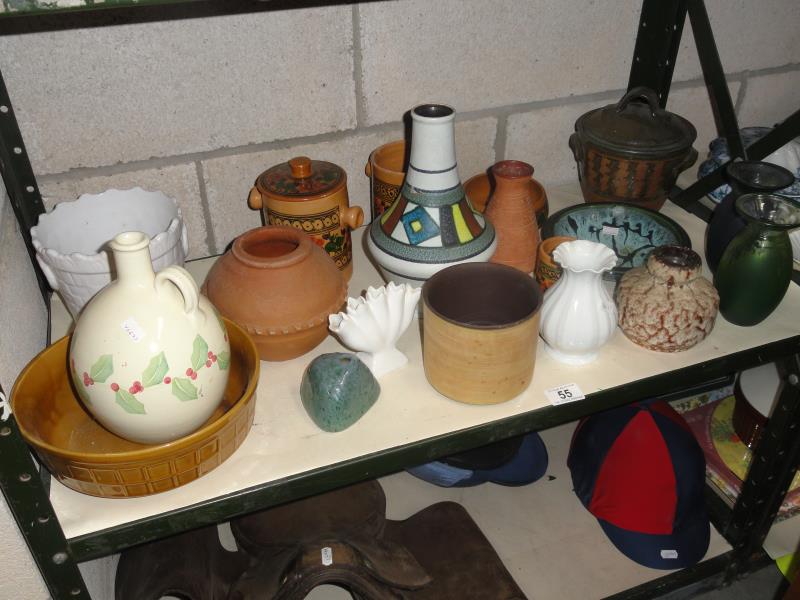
(198, 108)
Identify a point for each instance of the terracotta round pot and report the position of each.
(386, 171)
(480, 330)
(547, 269)
(280, 287)
(479, 187)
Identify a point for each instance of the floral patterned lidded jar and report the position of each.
(667, 305)
(310, 195)
(149, 355)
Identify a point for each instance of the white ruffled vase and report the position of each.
(578, 315)
(372, 324)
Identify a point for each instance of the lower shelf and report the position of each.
(550, 544)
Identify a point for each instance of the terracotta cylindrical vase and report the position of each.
(430, 225)
(386, 171)
(479, 187)
(310, 195)
(667, 305)
(279, 287)
(513, 215)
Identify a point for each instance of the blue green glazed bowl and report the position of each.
(630, 231)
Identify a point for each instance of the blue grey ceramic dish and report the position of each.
(629, 230)
(718, 155)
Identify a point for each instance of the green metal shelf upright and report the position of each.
(26, 489)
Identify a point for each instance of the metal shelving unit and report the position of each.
(745, 526)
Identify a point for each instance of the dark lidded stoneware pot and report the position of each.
(632, 151)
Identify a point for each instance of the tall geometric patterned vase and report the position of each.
(431, 224)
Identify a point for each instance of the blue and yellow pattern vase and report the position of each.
(431, 225)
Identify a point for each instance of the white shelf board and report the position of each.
(285, 442)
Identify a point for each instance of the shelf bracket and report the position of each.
(657, 44)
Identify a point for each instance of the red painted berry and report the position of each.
(193, 375)
(167, 379)
(138, 384)
(214, 358)
(90, 382)
(208, 362)
(132, 389)
(115, 387)
(210, 354)
(85, 376)
(189, 371)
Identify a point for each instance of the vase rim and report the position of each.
(771, 210)
(760, 175)
(677, 256)
(581, 256)
(433, 113)
(129, 241)
(296, 247)
(444, 295)
(512, 169)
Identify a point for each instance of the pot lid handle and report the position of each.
(640, 92)
(301, 167)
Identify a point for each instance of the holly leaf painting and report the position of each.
(129, 403)
(102, 369)
(223, 360)
(155, 371)
(184, 389)
(199, 353)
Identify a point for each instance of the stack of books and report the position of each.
(727, 457)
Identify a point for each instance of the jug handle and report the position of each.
(180, 278)
(254, 200)
(353, 217)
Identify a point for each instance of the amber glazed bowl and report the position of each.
(84, 456)
(480, 329)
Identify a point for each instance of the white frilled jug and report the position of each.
(149, 355)
(578, 315)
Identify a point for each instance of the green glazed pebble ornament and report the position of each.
(337, 389)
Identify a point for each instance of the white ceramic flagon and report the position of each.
(149, 355)
(373, 324)
(70, 240)
(578, 315)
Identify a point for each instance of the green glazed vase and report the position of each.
(756, 267)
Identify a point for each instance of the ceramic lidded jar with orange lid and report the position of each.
(310, 195)
(279, 287)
